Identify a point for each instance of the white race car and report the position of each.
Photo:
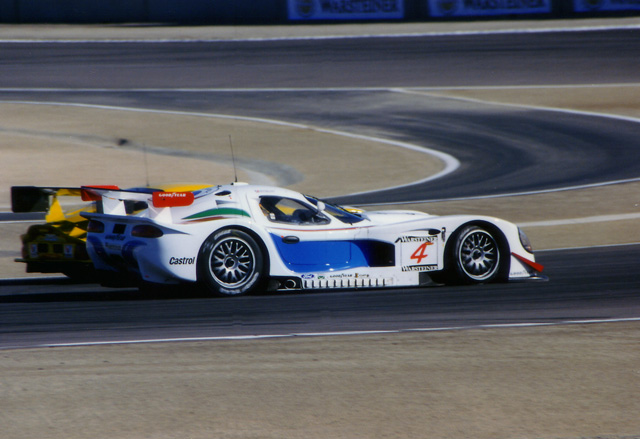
(239, 238)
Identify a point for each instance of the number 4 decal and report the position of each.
(421, 252)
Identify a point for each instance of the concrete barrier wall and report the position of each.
(287, 11)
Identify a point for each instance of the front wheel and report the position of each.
(475, 256)
(230, 263)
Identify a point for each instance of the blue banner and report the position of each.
(345, 9)
(476, 8)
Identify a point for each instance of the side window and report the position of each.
(287, 210)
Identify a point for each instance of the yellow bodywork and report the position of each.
(59, 244)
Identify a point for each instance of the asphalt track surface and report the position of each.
(353, 85)
(588, 285)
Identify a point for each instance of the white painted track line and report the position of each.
(338, 333)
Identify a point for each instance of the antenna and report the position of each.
(146, 166)
(233, 160)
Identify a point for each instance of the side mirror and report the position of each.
(321, 206)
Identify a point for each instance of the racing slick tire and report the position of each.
(474, 256)
(230, 263)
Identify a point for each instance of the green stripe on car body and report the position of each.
(217, 212)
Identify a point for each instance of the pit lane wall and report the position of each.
(297, 11)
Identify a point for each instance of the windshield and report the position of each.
(337, 211)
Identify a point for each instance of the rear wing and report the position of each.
(26, 199)
(151, 203)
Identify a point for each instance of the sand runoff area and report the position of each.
(577, 381)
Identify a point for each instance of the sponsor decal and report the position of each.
(451, 8)
(181, 261)
(341, 276)
(172, 199)
(345, 9)
(308, 276)
(416, 239)
(420, 268)
(417, 251)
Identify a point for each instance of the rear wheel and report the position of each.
(475, 256)
(230, 263)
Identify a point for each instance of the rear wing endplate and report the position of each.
(25, 199)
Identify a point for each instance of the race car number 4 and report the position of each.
(421, 252)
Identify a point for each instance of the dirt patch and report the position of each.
(38, 144)
(546, 382)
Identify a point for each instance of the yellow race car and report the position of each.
(59, 244)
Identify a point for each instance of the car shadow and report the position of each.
(62, 289)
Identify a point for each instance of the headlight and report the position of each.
(524, 240)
